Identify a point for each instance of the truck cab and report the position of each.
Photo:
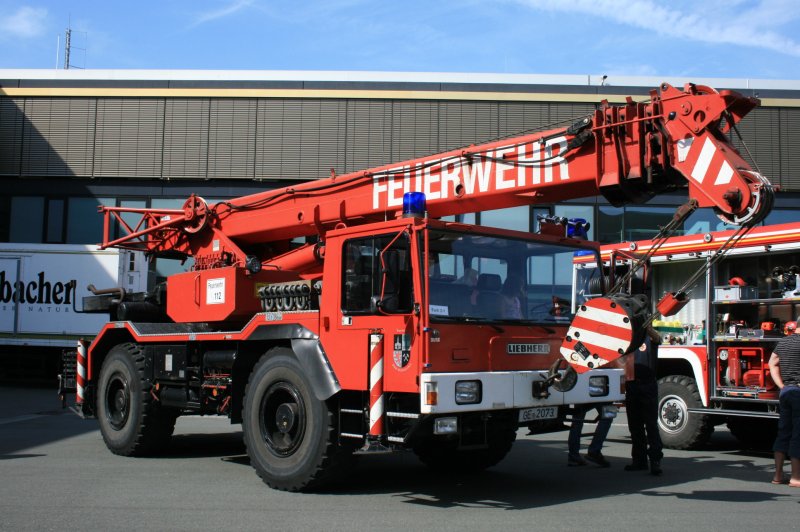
(470, 319)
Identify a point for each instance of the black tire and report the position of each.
(290, 435)
(679, 428)
(132, 422)
(444, 455)
(754, 433)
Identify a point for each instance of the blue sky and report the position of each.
(712, 38)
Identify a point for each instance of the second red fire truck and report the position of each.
(713, 361)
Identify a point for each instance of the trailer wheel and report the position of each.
(131, 421)
(290, 434)
(679, 428)
(754, 433)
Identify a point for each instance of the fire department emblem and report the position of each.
(402, 350)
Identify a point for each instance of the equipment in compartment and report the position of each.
(735, 293)
(743, 367)
(789, 279)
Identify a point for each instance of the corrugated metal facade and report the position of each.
(11, 120)
(294, 138)
(186, 138)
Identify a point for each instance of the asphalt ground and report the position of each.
(57, 475)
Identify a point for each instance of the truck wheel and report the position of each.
(443, 455)
(754, 433)
(131, 421)
(290, 434)
(679, 428)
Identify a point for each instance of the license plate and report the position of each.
(535, 414)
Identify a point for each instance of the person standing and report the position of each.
(641, 405)
(594, 454)
(784, 367)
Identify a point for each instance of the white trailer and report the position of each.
(42, 287)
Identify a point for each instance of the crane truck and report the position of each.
(344, 316)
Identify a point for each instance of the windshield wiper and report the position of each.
(486, 321)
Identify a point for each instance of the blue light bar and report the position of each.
(578, 228)
(414, 204)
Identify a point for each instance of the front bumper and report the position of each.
(503, 390)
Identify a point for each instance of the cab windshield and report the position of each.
(499, 279)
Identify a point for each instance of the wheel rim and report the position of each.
(673, 414)
(282, 418)
(118, 401)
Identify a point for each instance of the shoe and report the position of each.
(655, 468)
(575, 461)
(598, 459)
(636, 467)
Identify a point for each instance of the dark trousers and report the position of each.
(641, 406)
(788, 440)
(600, 433)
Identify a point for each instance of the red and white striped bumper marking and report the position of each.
(601, 332)
(80, 372)
(376, 409)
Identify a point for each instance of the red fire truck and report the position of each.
(713, 362)
(387, 327)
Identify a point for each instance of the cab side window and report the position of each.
(377, 275)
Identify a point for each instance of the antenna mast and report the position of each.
(67, 47)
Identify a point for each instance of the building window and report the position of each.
(84, 223)
(516, 218)
(781, 216)
(131, 219)
(27, 219)
(468, 218)
(645, 222)
(610, 224)
(55, 221)
(702, 221)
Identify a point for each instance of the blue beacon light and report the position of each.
(578, 228)
(414, 205)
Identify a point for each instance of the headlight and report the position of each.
(468, 392)
(445, 425)
(723, 354)
(598, 386)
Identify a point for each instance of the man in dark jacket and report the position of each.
(784, 367)
(641, 405)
